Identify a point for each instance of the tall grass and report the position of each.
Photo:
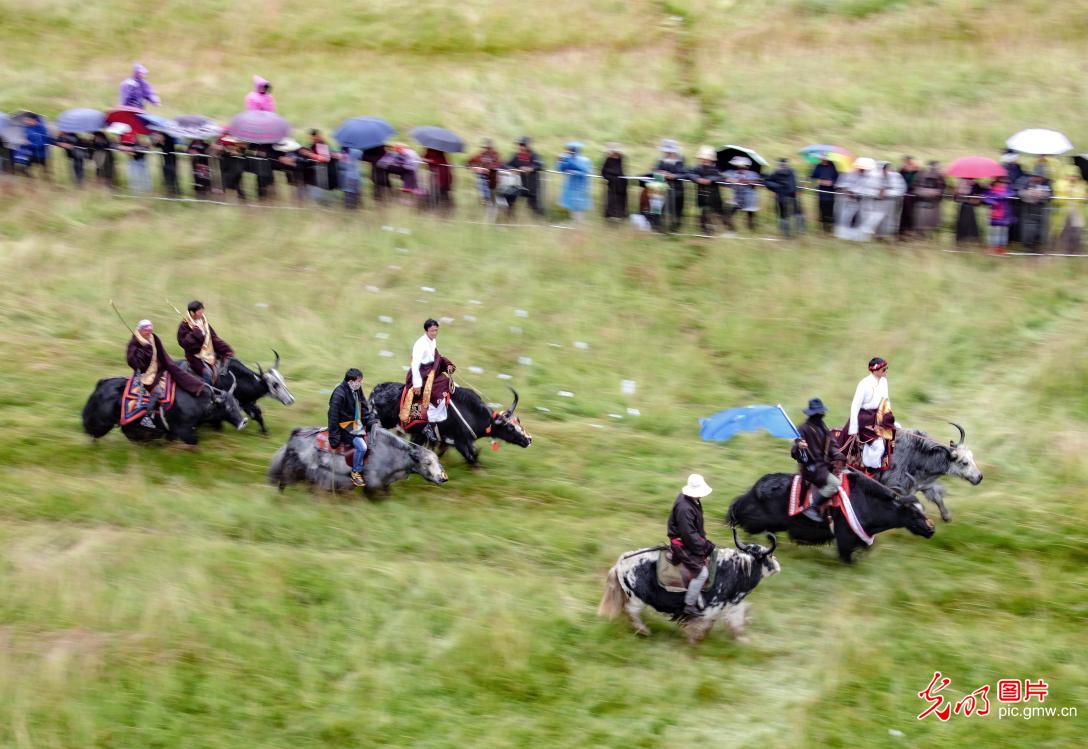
(154, 596)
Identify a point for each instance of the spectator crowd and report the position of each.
(1040, 205)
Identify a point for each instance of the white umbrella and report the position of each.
(1040, 142)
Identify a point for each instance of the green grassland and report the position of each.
(155, 596)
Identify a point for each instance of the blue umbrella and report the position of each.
(363, 132)
(724, 425)
(438, 138)
(80, 121)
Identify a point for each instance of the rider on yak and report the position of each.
(429, 378)
(148, 359)
(872, 423)
(817, 452)
(205, 351)
(687, 539)
(350, 418)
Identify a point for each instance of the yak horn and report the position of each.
(234, 384)
(962, 436)
(740, 544)
(260, 371)
(774, 543)
(514, 405)
(276, 364)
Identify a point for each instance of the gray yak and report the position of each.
(918, 461)
(389, 459)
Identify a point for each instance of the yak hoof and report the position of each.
(642, 631)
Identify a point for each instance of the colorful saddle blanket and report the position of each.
(675, 578)
(135, 398)
(321, 441)
(799, 501)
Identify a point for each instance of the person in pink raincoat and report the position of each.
(260, 97)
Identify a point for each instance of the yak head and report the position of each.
(505, 426)
(962, 460)
(427, 465)
(911, 515)
(277, 386)
(225, 400)
(761, 555)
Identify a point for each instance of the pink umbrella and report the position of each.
(256, 126)
(975, 167)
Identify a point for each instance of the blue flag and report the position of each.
(724, 425)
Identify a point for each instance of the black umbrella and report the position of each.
(363, 133)
(1082, 164)
(728, 153)
(439, 139)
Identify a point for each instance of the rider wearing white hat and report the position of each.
(688, 541)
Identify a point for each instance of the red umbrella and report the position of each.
(130, 116)
(975, 167)
(257, 126)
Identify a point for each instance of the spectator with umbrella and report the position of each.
(999, 197)
(743, 179)
(350, 179)
(615, 183)
(439, 142)
(967, 196)
(1035, 198)
(166, 146)
(139, 179)
(77, 150)
(968, 171)
(200, 162)
(529, 166)
(102, 156)
(135, 91)
(825, 175)
(260, 99)
(708, 196)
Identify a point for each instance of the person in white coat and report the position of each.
(429, 378)
(871, 418)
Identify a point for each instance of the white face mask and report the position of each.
(355, 385)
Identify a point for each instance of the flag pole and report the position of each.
(788, 420)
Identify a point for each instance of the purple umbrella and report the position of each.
(439, 139)
(256, 126)
(80, 121)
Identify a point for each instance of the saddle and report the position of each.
(802, 495)
(321, 441)
(675, 578)
(135, 398)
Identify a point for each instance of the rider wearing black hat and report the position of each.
(817, 452)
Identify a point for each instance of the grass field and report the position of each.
(157, 597)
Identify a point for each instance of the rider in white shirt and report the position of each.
(871, 419)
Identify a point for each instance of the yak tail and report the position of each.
(275, 468)
(731, 515)
(613, 600)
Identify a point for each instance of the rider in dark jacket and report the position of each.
(817, 452)
(687, 538)
(349, 419)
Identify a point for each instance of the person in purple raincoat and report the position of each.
(136, 91)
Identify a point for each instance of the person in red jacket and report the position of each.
(205, 351)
